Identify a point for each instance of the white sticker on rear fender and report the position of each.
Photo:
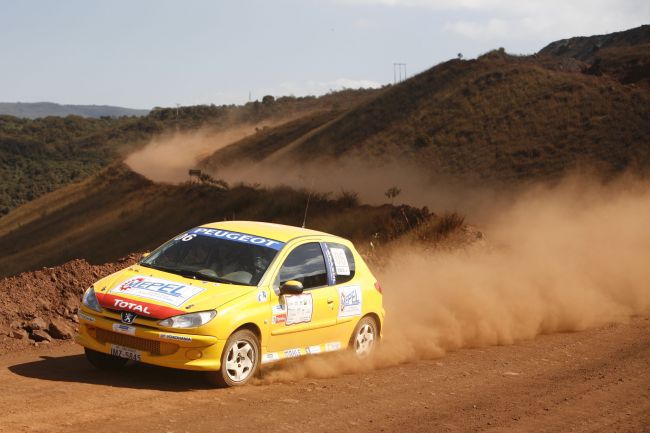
(350, 301)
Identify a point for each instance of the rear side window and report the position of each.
(305, 264)
(343, 262)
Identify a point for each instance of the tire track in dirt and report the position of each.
(595, 380)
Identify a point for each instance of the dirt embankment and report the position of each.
(41, 306)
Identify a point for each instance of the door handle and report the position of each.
(330, 300)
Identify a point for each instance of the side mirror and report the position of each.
(145, 255)
(291, 287)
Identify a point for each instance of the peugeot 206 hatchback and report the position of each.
(229, 296)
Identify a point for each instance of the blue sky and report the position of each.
(145, 53)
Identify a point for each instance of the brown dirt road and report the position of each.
(597, 381)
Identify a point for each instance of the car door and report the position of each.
(303, 323)
(349, 290)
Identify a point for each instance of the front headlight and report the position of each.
(191, 320)
(90, 300)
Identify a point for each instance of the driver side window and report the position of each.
(305, 264)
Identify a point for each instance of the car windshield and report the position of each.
(215, 255)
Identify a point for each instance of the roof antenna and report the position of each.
(304, 220)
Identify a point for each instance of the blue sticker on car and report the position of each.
(237, 237)
(331, 272)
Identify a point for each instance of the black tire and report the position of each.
(365, 337)
(104, 361)
(245, 364)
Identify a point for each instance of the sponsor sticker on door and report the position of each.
(299, 308)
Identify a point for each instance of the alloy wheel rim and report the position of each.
(240, 360)
(364, 340)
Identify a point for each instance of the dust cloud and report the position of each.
(566, 257)
(371, 179)
(563, 258)
(168, 157)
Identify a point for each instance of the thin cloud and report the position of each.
(494, 28)
(545, 19)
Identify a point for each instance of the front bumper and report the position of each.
(157, 347)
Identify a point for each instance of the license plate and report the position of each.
(125, 352)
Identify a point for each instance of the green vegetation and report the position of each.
(38, 156)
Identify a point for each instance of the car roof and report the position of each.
(278, 232)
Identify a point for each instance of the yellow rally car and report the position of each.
(229, 296)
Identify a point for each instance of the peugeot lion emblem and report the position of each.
(128, 317)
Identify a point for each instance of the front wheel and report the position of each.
(239, 361)
(365, 337)
(104, 361)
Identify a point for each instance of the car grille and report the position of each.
(152, 346)
(140, 320)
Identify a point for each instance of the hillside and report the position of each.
(40, 155)
(586, 48)
(627, 65)
(624, 56)
(498, 119)
(117, 212)
(34, 110)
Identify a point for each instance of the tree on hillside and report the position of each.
(392, 192)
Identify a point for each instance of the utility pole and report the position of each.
(398, 68)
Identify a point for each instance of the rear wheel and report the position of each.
(365, 337)
(239, 361)
(103, 361)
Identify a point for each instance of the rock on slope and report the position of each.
(40, 306)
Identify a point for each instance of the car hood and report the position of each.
(159, 295)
